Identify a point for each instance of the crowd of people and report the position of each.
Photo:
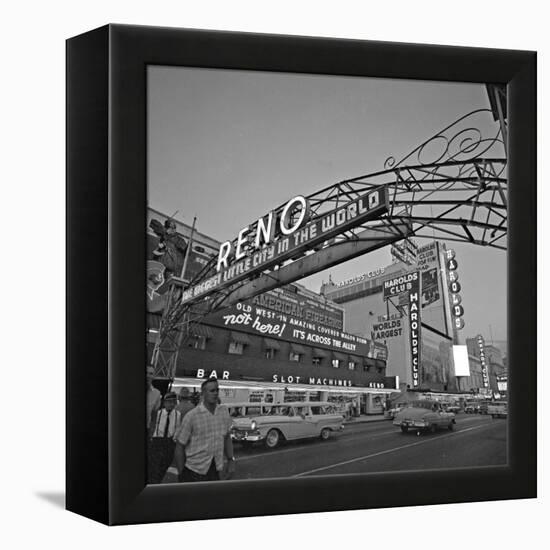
(194, 435)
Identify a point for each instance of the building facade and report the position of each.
(487, 366)
(286, 344)
(373, 312)
(355, 340)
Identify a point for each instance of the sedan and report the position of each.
(424, 416)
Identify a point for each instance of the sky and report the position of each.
(228, 146)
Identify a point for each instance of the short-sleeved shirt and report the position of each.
(184, 407)
(203, 433)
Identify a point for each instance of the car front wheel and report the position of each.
(272, 438)
(325, 434)
(404, 429)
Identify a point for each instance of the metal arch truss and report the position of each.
(453, 201)
(452, 187)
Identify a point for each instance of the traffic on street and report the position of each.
(376, 446)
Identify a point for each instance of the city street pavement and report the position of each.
(365, 418)
(372, 444)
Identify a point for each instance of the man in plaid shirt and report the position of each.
(203, 440)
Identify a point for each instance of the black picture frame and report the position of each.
(106, 209)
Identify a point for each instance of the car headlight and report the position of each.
(253, 425)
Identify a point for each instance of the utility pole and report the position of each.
(189, 247)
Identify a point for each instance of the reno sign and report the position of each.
(286, 234)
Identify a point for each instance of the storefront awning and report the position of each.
(320, 353)
(271, 344)
(339, 356)
(297, 348)
(201, 330)
(240, 338)
(246, 384)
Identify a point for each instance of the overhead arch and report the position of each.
(451, 187)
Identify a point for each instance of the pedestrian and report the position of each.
(347, 410)
(162, 446)
(153, 398)
(204, 450)
(196, 397)
(171, 248)
(185, 404)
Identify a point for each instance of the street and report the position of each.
(477, 440)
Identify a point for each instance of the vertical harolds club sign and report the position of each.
(409, 283)
(285, 234)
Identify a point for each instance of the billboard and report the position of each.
(427, 256)
(387, 328)
(414, 326)
(461, 361)
(405, 251)
(502, 383)
(428, 264)
(274, 239)
(279, 315)
(402, 284)
(457, 311)
(483, 361)
(290, 303)
(362, 277)
(430, 287)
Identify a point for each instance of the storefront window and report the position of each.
(316, 361)
(235, 348)
(198, 342)
(351, 365)
(295, 396)
(336, 363)
(294, 357)
(269, 354)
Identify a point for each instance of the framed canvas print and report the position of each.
(301, 274)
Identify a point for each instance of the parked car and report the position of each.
(498, 409)
(471, 407)
(423, 416)
(273, 423)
